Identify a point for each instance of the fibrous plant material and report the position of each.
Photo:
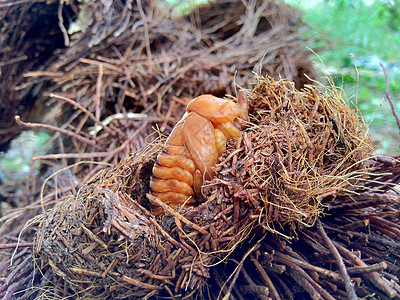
(131, 66)
(364, 229)
(140, 57)
(248, 26)
(27, 42)
(105, 241)
(299, 147)
(363, 225)
(102, 102)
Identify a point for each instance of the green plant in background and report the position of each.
(352, 39)
(353, 26)
(15, 163)
(391, 10)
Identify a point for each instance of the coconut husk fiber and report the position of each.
(302, 147)
(104, 242)
(114, 199)
(134, 68)
(124, 251)
(142, 58)
(89, 86)
(126, 71)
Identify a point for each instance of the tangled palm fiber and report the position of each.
(106, 99)
(104, 241)
(299, 147)
(249, 25)
(367, 221)
(26, 43)
(364, 228)
(121, 73)
(113, 76)
(77, 241)
(141, 57)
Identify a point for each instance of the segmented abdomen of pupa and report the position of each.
(172, 179)
(193, 147)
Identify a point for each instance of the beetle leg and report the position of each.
(229, 129)
(197, 182)
(220, 141)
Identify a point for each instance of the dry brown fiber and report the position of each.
(140, 58)
(205, 74)
(82, 82)
(186, 58)
(172, 255)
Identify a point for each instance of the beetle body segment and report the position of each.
(193, 147)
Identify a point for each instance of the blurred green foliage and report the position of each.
(352, 38)
(15, 163)
(352, 26)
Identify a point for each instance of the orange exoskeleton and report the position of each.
(193, 148)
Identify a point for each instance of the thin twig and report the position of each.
(376, 279)
(146, 34)
(84, 110)
(265, 278)
(239, 268)
(176, 214)
(61, 24)
(13, 245)
(305, 280)
(389, 98)
(282, 258)
(57, 129)
(372, 268)
(71, 155)
(347, 281)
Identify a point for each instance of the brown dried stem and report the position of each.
(375, 278)
(57, 129)
(339, 260)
